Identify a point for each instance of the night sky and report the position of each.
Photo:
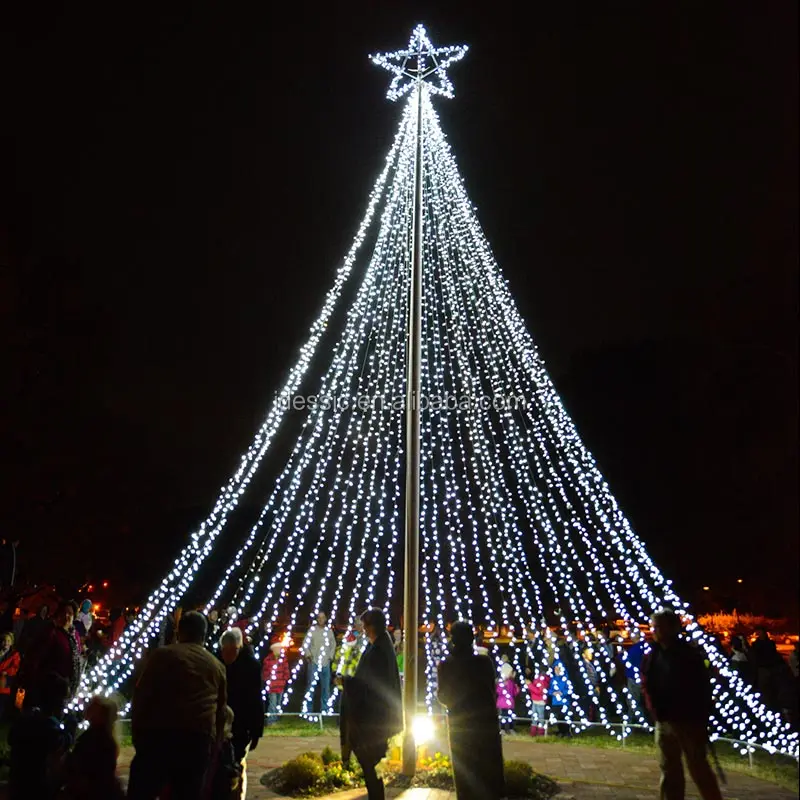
(178, 189)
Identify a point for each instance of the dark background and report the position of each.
(178, 188)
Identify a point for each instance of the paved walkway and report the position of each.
(584, 773)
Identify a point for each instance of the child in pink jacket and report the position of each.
(537, 688)
(507, 691)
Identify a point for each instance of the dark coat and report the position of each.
(244, 698)
(467, 690)
(676, 683)
(374, 709)
(54, 650)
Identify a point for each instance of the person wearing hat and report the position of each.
(275, 674)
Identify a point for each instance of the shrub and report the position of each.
(329, 756)
(312, 756)
(301, 774)
(523, 781)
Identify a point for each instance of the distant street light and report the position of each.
(706, 588)
(739, 580)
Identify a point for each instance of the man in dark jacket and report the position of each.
(467, 690)
(677, 689)
(373, 696)
(244, 692)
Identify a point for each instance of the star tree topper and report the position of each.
(418, 63)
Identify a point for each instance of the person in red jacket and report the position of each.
(677, 689)
(275, 674)
(9, 667)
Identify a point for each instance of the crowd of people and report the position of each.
(198, 705)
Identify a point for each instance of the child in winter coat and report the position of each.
(507, 691)
(91, 767)
(275, 674)
(560, 691)
(537, 688)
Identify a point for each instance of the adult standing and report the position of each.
(593, 682)
(9, 667)
(374, 707)
(214, 625)
(319, 646)
(766, 659)
(84, 619)
(740, 662)
(55, 650)
(32, 628)
(435, 651)
(178, 714)
(352, 648)
(633, 665)
(244, 692)
(467, 690)
(676, 685)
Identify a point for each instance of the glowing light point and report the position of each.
(423, 728)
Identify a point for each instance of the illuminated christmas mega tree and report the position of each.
(517, 527)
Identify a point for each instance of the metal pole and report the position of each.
(411, 593)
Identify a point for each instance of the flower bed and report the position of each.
(314, 774)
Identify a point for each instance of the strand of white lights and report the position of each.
(429, 488)
(460, 588)
(118, 663)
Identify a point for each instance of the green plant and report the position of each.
(339, 777)
(313, 756)
(329, 756)
(301, 774)
(435, 772)
(523, 782)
